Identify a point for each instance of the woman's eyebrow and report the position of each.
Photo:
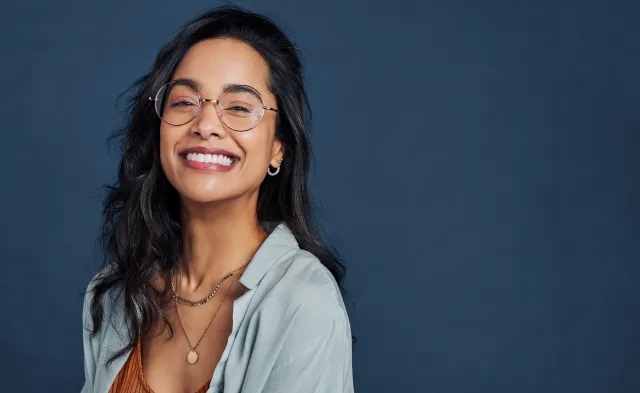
(189, 82)
(235, 88)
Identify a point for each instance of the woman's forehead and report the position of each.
(220, 62)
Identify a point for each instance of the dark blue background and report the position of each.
(476, 163)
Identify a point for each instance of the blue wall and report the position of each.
(476, 163)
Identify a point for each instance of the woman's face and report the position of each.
(215, 65)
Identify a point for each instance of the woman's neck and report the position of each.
(215, 242)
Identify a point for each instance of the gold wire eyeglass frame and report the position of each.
(201, 101)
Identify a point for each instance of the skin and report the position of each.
(220, 225)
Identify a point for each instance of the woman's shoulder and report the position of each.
(301, 282)
(300, 305)
(110, 300)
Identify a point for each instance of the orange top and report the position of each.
(130, 379)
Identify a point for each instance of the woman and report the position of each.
(215, 276)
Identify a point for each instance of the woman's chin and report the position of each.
(204, 198)
(202, 190)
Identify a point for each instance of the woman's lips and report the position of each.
(208, 162)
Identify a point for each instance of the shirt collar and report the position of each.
(277, 243)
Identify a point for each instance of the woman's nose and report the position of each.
(207, 122)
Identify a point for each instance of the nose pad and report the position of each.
(208, 123)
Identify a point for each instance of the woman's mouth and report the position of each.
(208, 162)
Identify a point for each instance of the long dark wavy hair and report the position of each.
(141, 229)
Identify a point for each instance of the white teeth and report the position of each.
(213, 158)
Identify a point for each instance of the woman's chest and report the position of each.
(186, 361)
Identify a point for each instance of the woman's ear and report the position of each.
(277, 154)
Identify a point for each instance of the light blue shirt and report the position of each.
(290, 330)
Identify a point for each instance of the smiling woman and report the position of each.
(235, 125)
(215, 274)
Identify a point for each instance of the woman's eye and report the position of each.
(239, 108)
(182, 104)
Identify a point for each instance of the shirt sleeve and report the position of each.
(316, 355)
(89, 360)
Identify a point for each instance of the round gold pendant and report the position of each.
(192, 357)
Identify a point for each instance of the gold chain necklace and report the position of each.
(195, 303)
(192, 356)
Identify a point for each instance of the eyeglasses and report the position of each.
(240, 107)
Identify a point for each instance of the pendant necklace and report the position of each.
(192, 356)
